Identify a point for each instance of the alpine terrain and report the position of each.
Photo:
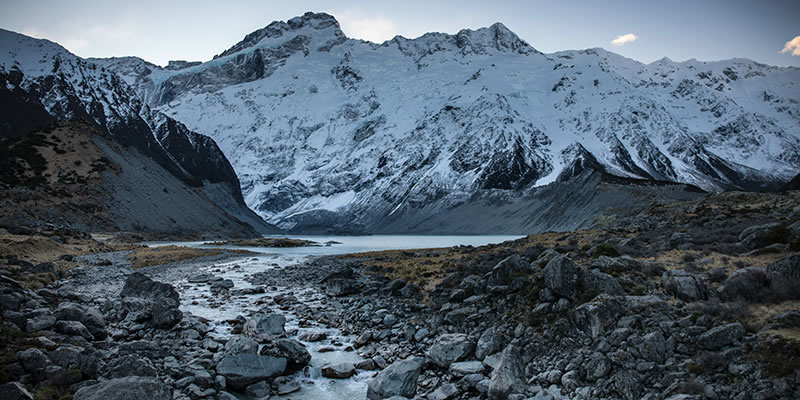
(336, 133)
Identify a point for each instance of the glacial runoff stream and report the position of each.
(336, 348)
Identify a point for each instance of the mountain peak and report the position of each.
(308, 21)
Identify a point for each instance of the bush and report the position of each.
(606, 249)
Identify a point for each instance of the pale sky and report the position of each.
(766, 31)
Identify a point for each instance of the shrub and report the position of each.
(605, 249)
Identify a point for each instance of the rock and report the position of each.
(596, 367)
(747, 283)
(721, 336)
(510, 266)
(166, 314)
(40, 323)
(341, 283)
(238, 344)
(466, 368)
(295, 353)
(597, 316)
(200, 278)
(398, 379)
(509, 375)
(758, 236)
(367, 365)
(787, 320)
(653, 347)
(129, 388)
(627, 384)
(616, 264)
(33, 361)
(270, 324)
(389, 320)
(444, 392)
(421, 334)
(459, 315)
(139, 285)
(258, 390)
(223, 285)
(312, 336)
(599, 282)
(683, 285)
(339, 371)
(449, 348)
(14, 391)
(72, 328)
(490, 342)
(73, 357)
(561, 276)
(89, 317)
(410, 290)
(242, 370)
(285, 386)
(784, 278)
(131, 365)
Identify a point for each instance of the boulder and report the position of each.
(597, 316)
(129, 388)
(502, 273)
(759, 235)
(444, 392)
(449, 348)
(599, 282)
(339, 371)
(341, 283)
(509, 375)
(398, 379)
(139, 285)
(490, 342)
(131, 365)
(747, 283)
(466, 368)
(242, 370)
(683, 285)
(561, 276)
(653, 347)
(784, 278)
(721, 336)
(33, 360)
(597, 366)
(295, 353)
(269, 324)
(166, 314)
(312, 336)
(88, 316)
(14, 391)
(72, 328)
(238, 344)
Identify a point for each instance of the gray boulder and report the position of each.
(784, 277)
(758, 236)
(241, 344)
(139, 285)
(295, 353)
(596, 367)
(490, 342)
(561, 276)
(89, 317)
(600, 282)
(444, 392)
(339, 371)
(505, 269)
(721, 336)
(166, 314)
(72, 328)
(270, 325)
(33, 361)
(398, 379)
(509, 375)
(449, 348)
(464, 368)
(597, 316)
(747, 283)
(129, 388)
(683, 285)
(242, 370)
(341, 283)
(14, 391)
(130, 365)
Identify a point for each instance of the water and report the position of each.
(197, 299)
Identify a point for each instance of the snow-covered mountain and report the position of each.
(324, 128)
(41, 81)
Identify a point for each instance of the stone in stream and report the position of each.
(311, 336)
(398, 379)
(200, 278)
(339, 371)
(295, 353)
(242, 370)
(130, 388)
(161, 301)
(284, 385)
(269, 325)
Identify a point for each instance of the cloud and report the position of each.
(74, 44)
(33, 32)
(623, 39)
(356, 24)
(792, 46)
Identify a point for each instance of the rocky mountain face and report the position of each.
(332, 131)
(42, 82)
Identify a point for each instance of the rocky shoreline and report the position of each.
(629, 311)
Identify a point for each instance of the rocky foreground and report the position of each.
(683, 301)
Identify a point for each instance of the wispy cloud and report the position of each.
(623, 39)
(792, 46)
(358, 25)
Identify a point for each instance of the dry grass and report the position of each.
(675, 259)
(760, 313)
(147, 256)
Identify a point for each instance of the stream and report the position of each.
(197, 299)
